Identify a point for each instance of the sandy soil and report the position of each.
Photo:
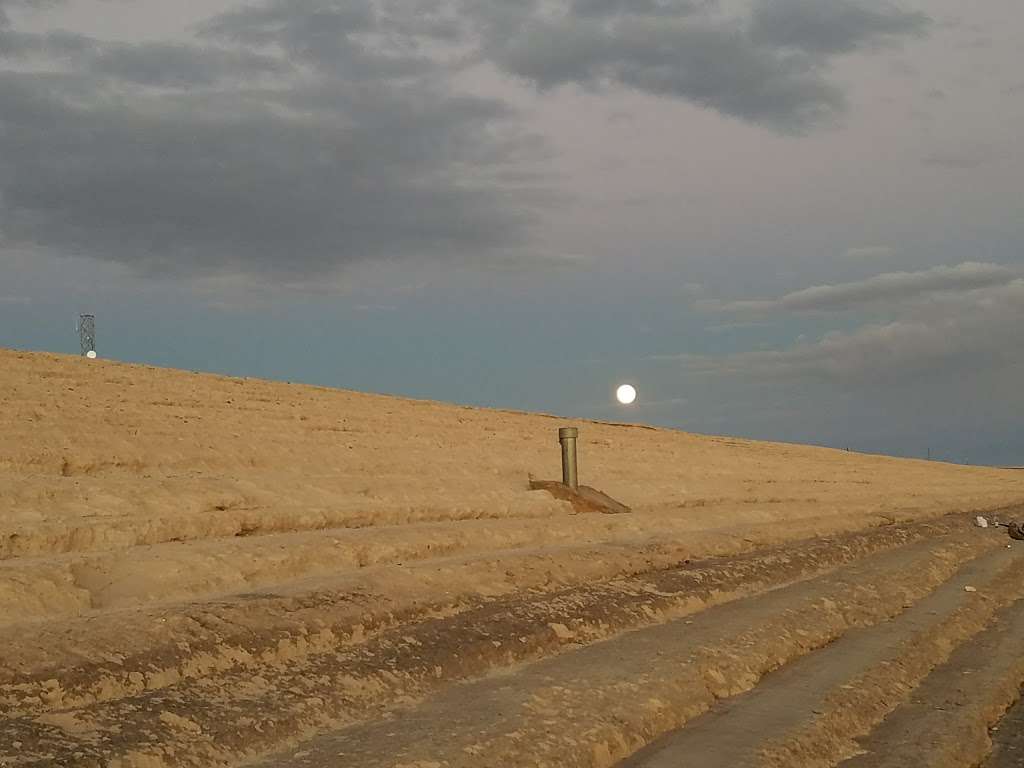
(199, 570)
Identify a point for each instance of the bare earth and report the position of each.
(207, 571)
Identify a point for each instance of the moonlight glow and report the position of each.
(626, 394)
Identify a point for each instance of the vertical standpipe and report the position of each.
(567, 437)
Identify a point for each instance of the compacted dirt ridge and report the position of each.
(208, 571)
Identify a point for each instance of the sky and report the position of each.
(793, 220)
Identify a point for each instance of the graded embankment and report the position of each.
(201, 570)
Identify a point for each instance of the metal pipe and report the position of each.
(567, 437)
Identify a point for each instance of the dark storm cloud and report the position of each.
(769, 67)
(837, 26)
(300, 136)
(198, 187)
(185, 159)
(709, 63)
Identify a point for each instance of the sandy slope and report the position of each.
(175, 544)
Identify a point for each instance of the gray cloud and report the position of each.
(944, 363)
(179, 65)
(871, 252)
(300, 136)
(767, 68)
(708, 63)
(890, 289)
(315, 29)
(172, 65)
(199, 187)
(960, 158)
(5, 6)
(592, 8)
(367, 155)
(55, 45)
(977, 331)
(838, 26)
(354, 39)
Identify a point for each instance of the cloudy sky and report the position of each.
(790, 219)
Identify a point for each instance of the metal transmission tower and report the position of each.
(87, 335)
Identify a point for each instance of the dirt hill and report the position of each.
(194, 569)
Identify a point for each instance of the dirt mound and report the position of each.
(584, 499)
(204, 570)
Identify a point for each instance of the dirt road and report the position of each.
(216, 572)
(1008, 740)
(838, 701)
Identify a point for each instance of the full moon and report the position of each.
(626, 394)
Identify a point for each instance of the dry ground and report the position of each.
(199, 570)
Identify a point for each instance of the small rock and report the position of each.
(970, 589)
(981, 522)
(562, 631)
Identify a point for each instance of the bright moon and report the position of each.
(626, 394)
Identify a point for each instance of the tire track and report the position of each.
(288, 693)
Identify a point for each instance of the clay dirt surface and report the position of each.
(199, 570)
